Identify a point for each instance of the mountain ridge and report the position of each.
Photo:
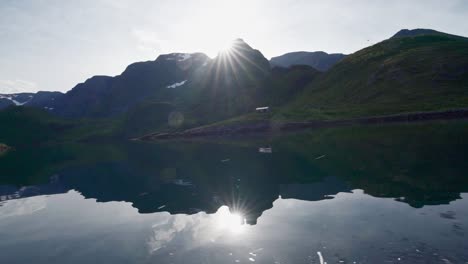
(421, 32)
(320, 60)
(40, 99)
(418, 70)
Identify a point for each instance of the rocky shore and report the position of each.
(271, 126)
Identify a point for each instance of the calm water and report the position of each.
(389, 194)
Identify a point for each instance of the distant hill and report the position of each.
(319, 60)
(45, 100)
(416, 71)
(14, 99)
(39, 99)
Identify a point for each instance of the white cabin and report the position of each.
(267, 150)
(262, 109)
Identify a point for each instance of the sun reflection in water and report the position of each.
(232, 222)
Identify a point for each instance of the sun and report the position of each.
(226, 48)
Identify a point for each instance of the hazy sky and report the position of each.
(53, 45)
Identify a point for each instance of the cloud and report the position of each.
(147, 40)
(17, 86)
(26, 206)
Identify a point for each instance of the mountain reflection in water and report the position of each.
(217, 189)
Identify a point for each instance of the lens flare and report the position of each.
(232, 222)
(226, 48)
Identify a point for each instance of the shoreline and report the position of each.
(270, 126)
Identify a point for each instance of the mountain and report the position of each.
(44, 100)
(14, 99)
(39, 99)
(285, 83)
(402, 74)
(191, 87)
(320, 60)
(104, 96)
(417, 32)
(229, 84)
(416, 70)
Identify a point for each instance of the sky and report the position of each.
(53, 45)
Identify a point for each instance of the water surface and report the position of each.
(376, 194)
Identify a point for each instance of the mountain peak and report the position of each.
(238, 40)
(415, 32)
(243, 53)
(177, 56)
(240, 44)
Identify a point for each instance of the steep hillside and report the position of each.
(285, 83)
(29, 127)
(23, 126)
(403, 74)
(104, 96)
(229, 85)
(319, 60)
(196, 86)
(45, 100)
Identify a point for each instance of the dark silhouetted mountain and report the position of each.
(84, 97)
(45, 100)
(14, 99)
(228, 85)
(319, 60)
(102, 96)
(39, 99)
(192, 86)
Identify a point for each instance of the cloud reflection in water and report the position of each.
(198, 229)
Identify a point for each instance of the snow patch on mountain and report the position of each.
(184, 56)
(177, 84)
(179, 56)
(11, 98)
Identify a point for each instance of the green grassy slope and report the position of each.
(406, 74)
(26, 127)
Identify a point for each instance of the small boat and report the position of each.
(265, 150)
